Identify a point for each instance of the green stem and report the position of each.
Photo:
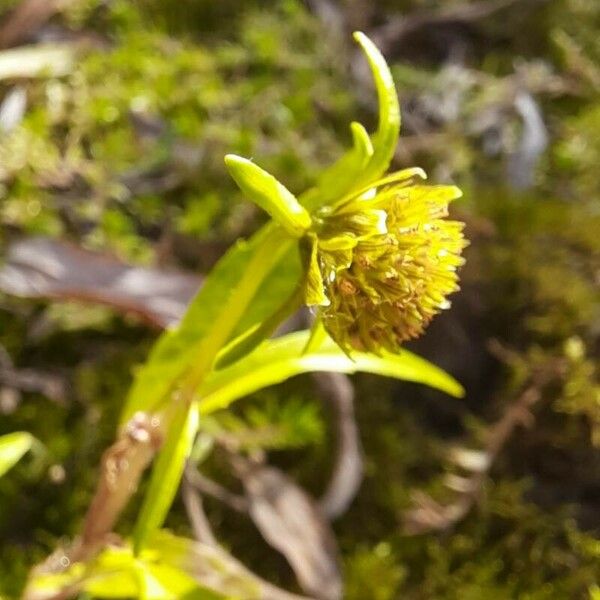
(174, 418)
(250, 339)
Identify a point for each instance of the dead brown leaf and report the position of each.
(290, 521)
(45, 268)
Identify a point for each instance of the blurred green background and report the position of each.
(114, 119)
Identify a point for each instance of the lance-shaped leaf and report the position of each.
(244, 343)
(272, 196)
(234, 276)
(282, 358)
(12, 448)
(166, 474)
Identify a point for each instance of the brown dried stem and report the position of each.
(121, 468)
(195, 509)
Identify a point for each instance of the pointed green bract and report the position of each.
(402, 178)
(268, 193)
(385, 138)
(361, 143)
(338, 179)
(314, 294)
(282, 358)
(369, 157)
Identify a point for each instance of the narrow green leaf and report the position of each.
(317, 335)
(271, 195)
(177, 349)
(282, 358)
(12, 448)
(244, 343)
(340, 178)
(166, 474)
(281, 282)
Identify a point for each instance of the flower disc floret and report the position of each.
(383, 262)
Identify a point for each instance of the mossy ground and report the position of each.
(124, 154)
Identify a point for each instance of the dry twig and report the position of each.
(26, 19)
(397, 28)
(212, 488)
(337, 391)
(195, 509)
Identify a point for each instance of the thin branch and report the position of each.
(122, 467)
(195, 509)
(211, 488)
(29, 380)
(337, 390)
(204, 534)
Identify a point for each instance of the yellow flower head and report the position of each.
(383, 261)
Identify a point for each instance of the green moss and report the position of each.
(126, 151)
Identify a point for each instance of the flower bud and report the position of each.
(385, 260)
